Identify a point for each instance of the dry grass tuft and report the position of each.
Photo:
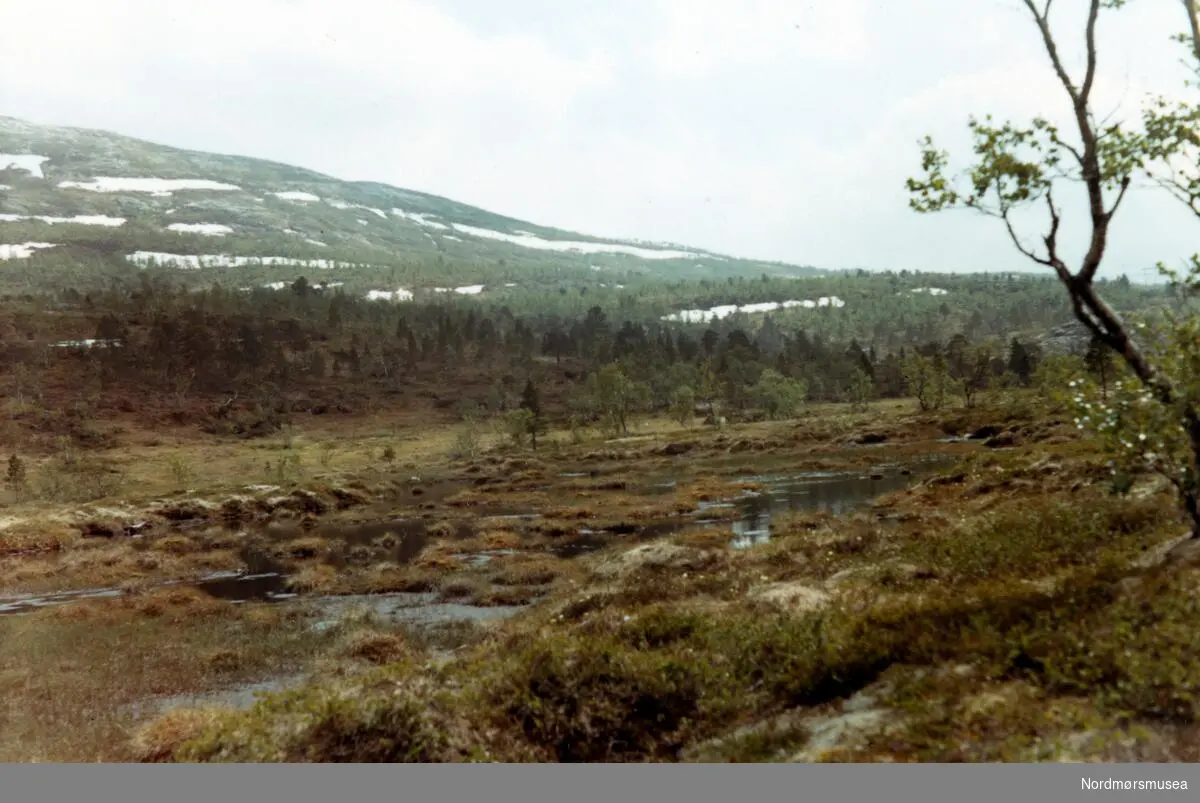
(157, 740)
(374, 647)
(319, 579)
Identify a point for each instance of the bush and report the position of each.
(778, 396)
(467, 440)
(1030, 538)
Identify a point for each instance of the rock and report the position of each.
(672, 449)
(859, 717)
(793, 597)
(1183, 549)
(657, 556)
(871, 438)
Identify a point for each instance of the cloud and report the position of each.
(768, 128)
(696, 38)
(390, 49)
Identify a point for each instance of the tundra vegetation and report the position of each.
(503, 528)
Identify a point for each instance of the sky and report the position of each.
(768, 129)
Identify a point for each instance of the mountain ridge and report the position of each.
(70, 185)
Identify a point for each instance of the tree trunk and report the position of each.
(1192, 505)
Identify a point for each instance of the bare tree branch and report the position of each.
(1051, 239)
(1089, 159)
(1125, 182)
(1012, 233)
(1052, 47)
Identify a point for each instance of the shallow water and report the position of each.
(26, 603)
(835, 493)
(245, 587)
(406, 608)
(240, 696)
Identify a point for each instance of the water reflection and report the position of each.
(837, 494)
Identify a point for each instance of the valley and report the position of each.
(294, 473)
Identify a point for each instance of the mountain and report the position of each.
(71, 197)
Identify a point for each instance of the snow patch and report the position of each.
(725, 310)
(420, 219)
(469, 290)
(87, 344)
(371, 209)
(198, 261)
(31, 163)
(362, 222)
(527, 240)
(510, 284)
(4, 187)
(451, 237)
(211, 229)
(160, 187)
(933, 291)
(22, 251)
(399, 294)
(276, 285)
(294, 195)
(83, 220)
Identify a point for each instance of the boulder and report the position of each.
(793, 597)
(658, 555)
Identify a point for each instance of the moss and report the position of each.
(1029, 537)
(1139, 655)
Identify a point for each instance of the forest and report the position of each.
(245, 362)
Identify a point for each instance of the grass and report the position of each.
(70, 677)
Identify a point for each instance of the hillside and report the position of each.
(70, 196)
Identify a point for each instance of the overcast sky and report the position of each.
(772, 129)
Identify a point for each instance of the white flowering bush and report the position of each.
(1138, 431)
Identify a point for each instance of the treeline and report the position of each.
(885, 310)
(253, 358)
